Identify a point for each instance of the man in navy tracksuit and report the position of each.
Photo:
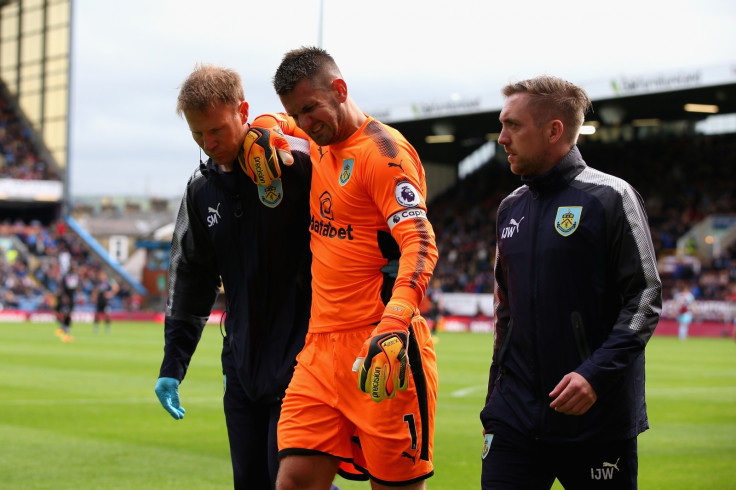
(577, 298)
(255, 242)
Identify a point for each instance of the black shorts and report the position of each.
(251, 430)
(102, 306)
(518, 462)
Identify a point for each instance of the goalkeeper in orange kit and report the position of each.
(373, 255)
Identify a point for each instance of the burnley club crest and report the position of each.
(568, 219)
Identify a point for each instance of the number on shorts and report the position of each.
(409, 419)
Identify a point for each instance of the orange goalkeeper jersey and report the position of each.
(367, 206)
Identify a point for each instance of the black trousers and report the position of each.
(251, 430)
(519, 462)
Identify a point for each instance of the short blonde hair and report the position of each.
(209, 86)
(554, 98)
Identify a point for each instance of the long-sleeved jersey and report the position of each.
(224, 234)
(368, 212)
(577, 289)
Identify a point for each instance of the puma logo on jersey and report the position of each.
(392, 164)
(322, 154)
(214, 216)
(513, 227)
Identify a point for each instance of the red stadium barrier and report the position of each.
(450, 323)
(85, 316)
(454, 323)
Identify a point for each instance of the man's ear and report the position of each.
(243, 111)
(556, 130)
(341, 89)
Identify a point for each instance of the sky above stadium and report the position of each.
(130, 57)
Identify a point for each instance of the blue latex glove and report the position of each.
(167, 390)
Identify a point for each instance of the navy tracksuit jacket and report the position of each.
(577, 289)
(262, 256)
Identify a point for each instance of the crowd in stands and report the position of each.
(18, 159)
(681, 179)
(37, 260)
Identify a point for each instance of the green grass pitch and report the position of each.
(83, 415)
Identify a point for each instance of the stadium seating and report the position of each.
(681, 179)
(34, 254)
(33, 260)
(18, 159)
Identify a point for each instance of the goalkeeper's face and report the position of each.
(317, 111)
(219, 131)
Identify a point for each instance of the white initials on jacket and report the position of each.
(212, 219)
(513, 227)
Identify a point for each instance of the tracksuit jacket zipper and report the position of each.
(535, 207)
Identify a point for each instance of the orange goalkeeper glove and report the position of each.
(258, 158)
(383, 363)
(286, 123)
(263, 150)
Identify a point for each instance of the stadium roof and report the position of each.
(622, 102)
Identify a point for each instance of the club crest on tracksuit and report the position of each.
(568, 219)
(347, 170)
(271, 195)
(486, 445)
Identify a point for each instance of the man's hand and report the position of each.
(167, 390)
(573, 395)
(383, 363)
(263, 150)
(280, 120)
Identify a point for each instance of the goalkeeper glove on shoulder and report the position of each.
(280, 120)
(167, 390)
(383, 362)
(264, 149)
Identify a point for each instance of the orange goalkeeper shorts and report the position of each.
(324, 411)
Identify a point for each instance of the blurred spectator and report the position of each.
(681, 179)
(18, 159)
(684, 299)
(53, 256)
(678, 187)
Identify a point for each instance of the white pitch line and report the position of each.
(467, 391)
(108, 401)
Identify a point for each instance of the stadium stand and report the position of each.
(18, 158)
(679, 190)
(682, 180)
(37, 245)
(35, 259)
